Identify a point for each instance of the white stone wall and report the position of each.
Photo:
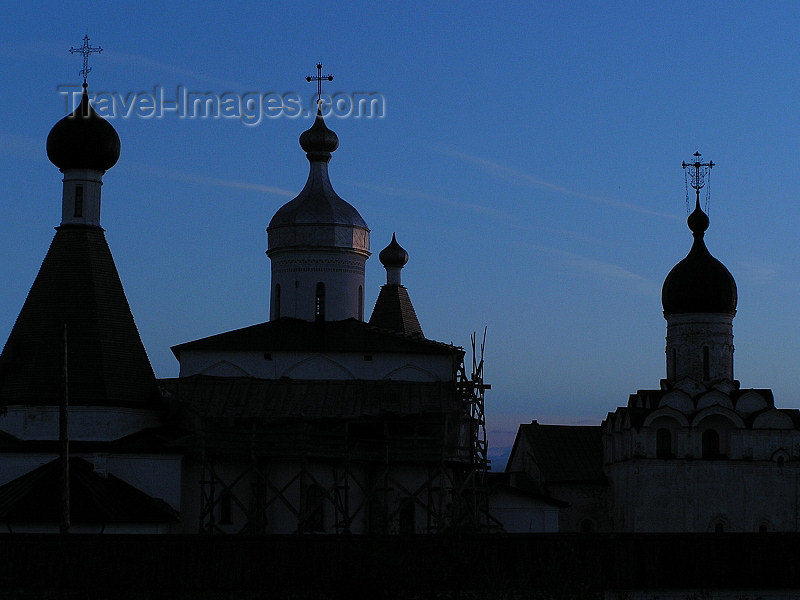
(688, 335)
(735, 443)
(303, 256)
(304, 365)
(752, 482)
(298, 273)
(90, 181)
(86, 423)
(521, 514)
(679, 495)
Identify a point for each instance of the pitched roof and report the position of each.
(288, 334)
(394, 311)
(565, 452)
(77, 286)
(36, 498)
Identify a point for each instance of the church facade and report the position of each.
(321, 420)
(698, 454)
(701, 453)
(75, 380)
(316, 420)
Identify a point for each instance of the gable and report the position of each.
(564, 453)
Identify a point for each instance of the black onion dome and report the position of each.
(394, 255)
(699, 283)
(319, 138)
(83, 140)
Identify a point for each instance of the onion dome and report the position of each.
(318, 203)
(699, 283)
(83, 140)
(393, 309)
(394, 255)
(319, 139)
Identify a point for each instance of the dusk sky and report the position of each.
(528, 157)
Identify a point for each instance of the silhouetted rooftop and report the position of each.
(288, 334)
(77, 286)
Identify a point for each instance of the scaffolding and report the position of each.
(303, 456)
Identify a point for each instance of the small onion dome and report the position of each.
(393, 256)
(699, 283)
(83, 140)
(319, 138)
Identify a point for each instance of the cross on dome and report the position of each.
(698, 173)
(86, 50)
(319, 78)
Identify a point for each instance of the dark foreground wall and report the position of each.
(497, 566)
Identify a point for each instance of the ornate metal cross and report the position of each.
(699, 173)
(319, 79)
(86, 50)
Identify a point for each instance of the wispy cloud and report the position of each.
(487, 211)
(510, 174)
(137, 60)
(602, 269)
(417, 195)
(225, 183)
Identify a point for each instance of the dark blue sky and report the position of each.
(528, 159)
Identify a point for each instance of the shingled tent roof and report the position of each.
(394, 311)
(77, 286)
(564, 453)
(36, 498)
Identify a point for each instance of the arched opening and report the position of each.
(276, 302)
(319, 302)
(711, 444)
(587, 526)
(673, 366)
(78, 201)
(719, 528)
(706, 365)
(361, 303)
(663, 443)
